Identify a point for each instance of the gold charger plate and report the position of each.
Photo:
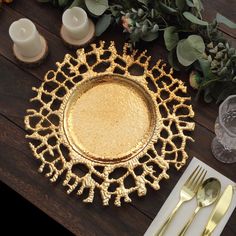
(109, 122)
(109, 118)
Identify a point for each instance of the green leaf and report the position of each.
(102, 24)
(74, 4)
(205, 67)
(185, 58)
(62, 3)
(180, 4)
(167, 9)
(197, 4)
(190, 49)
(77, 3)
(97, 7)
(189, 16)
(144, 2)
(150, 36)
(226, 21)
(144, 29)
(171, 37)
(115, 11)
(189, 3)
(197, 44)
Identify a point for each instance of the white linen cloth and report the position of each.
(186, 210)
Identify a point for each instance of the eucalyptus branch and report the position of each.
(191, 42)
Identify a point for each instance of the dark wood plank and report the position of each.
(154, 199)
(58, 50)
(225, 8)
(79, 218)
(15, 90)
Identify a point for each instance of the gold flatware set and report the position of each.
(207, 193)
(219, 210)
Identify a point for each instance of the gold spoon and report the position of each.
(207, 194)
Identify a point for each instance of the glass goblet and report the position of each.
(224, 144)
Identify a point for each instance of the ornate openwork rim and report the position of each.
(166, 147)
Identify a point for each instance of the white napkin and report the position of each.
(186, 210)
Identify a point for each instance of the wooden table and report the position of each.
(18, 168)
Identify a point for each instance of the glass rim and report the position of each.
(220, 115)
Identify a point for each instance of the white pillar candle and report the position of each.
(26, 38)
(75, 21)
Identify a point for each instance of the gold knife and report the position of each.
(219, 210)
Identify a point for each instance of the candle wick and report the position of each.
(75, 19)
(22, 31)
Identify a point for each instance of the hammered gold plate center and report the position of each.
(109, 118)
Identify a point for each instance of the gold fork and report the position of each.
(188, 191)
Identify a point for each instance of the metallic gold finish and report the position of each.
(207, 194)
(219, 210)
(188, 191)
(109, 118)
(109, 122)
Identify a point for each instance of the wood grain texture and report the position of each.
(225, 8)
(155, 49)
(51, 198)
(18, 168)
